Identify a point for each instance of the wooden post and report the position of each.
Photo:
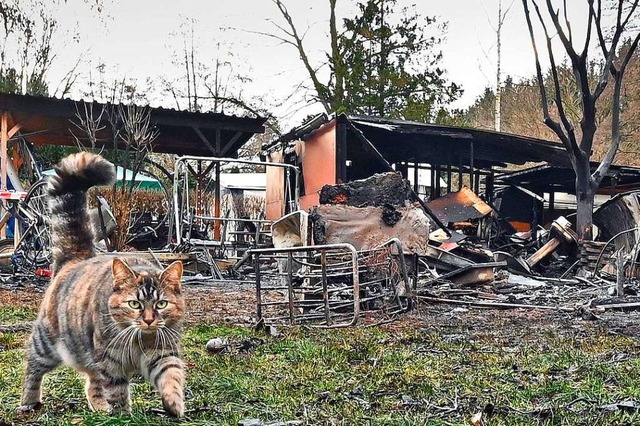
(438, 189)
(216, 223)
(471, 165)
(3, 149)
(4, 152)
(488, 185)
(432, 172)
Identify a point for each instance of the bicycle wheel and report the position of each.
(148, 226)
(33, 251)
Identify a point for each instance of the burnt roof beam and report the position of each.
(231, 142)
(204, 140)
(207, 122)
(368, 146)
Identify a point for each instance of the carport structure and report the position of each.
(48, 121)
(51, 121)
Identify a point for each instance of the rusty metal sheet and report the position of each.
(459, 206)
(365, 227)
(619, 215)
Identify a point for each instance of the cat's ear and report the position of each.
(122, 274)
(172, 276)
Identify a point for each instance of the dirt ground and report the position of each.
(232, 303)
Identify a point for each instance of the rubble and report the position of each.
(365, 227)
(373, 249)
(367, 213)
(481, 260)
(377, 191)
(560, 233)
(463, 211)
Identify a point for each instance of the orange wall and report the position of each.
(275, 188)
(318, 164)
(318, 155)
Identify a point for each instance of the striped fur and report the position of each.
(72, 234)
(108, 318)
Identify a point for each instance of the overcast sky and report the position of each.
(140, 38)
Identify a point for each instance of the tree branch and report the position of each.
(570, 143)
(566, 21)
(629, 54)
(589, 25)
(556, 23)
(606, 162)
(321, 89)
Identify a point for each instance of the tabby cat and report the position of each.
(107, 317)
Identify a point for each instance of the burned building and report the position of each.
(521, 174)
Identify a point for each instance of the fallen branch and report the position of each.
(619, 305)
(494, 304)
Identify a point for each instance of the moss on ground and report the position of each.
(401, 375)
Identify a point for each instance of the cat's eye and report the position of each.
(161, 304)
(134, 304)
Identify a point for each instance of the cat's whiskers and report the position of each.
(112, 327)
(169, 341)
(174, 335)
(161, 339)
(141, 343)
(129, 346)
(118, 337)
(122, 336)
(157, 340)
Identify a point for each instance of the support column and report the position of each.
(488, 186)
(460, 176)
(438, 175)
(216, 225)
(4, 152)
(472, 171)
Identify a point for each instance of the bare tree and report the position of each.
(579, 141)
(330, 94)
(384, 60)
(132, 134)
(27, 48)
(89, 125)
(502, 16)
(211, 81)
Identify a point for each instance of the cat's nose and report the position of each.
(149, 321)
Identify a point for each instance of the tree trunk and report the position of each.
(585, 195)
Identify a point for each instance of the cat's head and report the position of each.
(146, 299)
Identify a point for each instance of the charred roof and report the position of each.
(401, 140)
(547, 178)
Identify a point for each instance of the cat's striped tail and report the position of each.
(71, 230)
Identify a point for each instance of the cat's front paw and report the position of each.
(27, 408)
(174, 407)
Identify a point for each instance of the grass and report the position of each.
(409, 375)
